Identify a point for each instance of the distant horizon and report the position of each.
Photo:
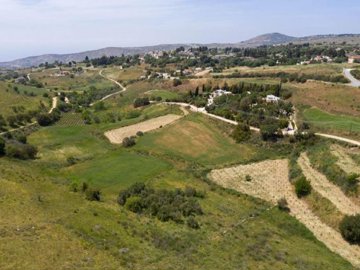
(62, 26)
(153, 45)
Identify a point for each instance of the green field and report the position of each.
(10, 99)
(331, 122)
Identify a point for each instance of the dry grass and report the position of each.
(337, 99)
(327, 189)
(345, 162)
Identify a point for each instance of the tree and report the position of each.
(350, 229)
(302, 187)
(268, 131)
(241, 133)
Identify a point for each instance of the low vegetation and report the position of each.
(350, 229)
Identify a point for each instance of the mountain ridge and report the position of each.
(261, 40)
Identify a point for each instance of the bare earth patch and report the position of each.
(345, 162)
(269, 181)
(327, 189)
(116, 136)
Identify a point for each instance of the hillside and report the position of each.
(266, 39)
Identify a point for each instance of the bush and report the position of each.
(20, 151)
(164, 204)
(241, 133)
(128, 142)
(177, 82)
(302, 187)
(192, 223)
(134, 204)
(283, 205)
(350, 229)
(140, 102)
(139, 133)
(93, 194)
(2, 146)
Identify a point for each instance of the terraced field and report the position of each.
(269, 181)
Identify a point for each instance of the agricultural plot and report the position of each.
(70, 119)
(327, 189)
(344, 161)
(268, 180)
(118, 135)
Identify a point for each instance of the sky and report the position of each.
(35, 27)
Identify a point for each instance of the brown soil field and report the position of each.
(116, 136)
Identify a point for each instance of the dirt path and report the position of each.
(123, 88)
(345, 162)
(338, 138)
(54, 104)
(327, 189)
(270, 182)
(116, 136)
(353, 81)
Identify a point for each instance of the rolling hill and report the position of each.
(266, 39)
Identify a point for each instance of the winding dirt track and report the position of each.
(270, 182)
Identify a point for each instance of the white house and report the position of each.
(354, 58)
(272, 99)
(217, 93)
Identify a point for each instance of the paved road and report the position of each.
(353, 81)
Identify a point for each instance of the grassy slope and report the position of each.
(10, 98)
(332, 122)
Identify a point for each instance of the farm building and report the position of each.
(271, 98)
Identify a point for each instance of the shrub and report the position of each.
(241, 133)
(2, 146)
(140, 102)
(177, 82)
(350, 229)
(93, 194)
(128, 142)
(134, 204)
(20, 151)
(192, 223)
(302, 187)
(164, 204)
(248, 178)
(283, 205)
(139, 133)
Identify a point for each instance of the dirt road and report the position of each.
(353, 81)
(123, 88)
